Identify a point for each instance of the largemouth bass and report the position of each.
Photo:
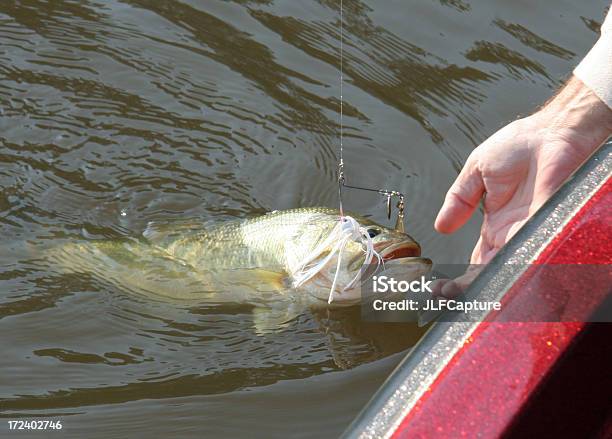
(280, 252)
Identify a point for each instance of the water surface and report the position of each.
(116, 113)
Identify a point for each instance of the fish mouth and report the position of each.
(400, 250)
(404, 260)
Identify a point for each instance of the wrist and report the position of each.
(578, 115)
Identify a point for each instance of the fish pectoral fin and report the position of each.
(162, 232)
(261, 279)
(268, 320)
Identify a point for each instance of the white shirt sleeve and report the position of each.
(595, 70)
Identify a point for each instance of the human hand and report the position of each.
(518, 168)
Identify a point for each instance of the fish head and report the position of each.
(395, 253)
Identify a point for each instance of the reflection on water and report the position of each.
(117, 113)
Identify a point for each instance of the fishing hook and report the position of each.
(399, 222)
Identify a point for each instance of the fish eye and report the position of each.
(372, 232)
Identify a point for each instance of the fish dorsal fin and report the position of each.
(163, 232)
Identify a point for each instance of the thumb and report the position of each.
(461, 199)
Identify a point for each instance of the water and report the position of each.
(116, 113)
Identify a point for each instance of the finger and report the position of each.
(461, 199)
(437, 286)
(488, 255)
(460, 284)
(445, 288)
(479, 250)
(513, 229)
(452, 289)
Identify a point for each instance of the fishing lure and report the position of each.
(347, 229)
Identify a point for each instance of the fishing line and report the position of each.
(347, 229)
(399, 223)
(341, 162)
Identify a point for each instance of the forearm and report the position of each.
(582, 110)
(578, 113)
